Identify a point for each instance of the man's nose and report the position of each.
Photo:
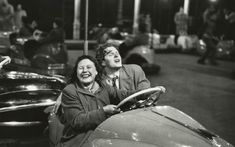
(116, 55)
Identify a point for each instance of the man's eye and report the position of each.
(111, 54)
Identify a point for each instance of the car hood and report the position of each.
(158, 126)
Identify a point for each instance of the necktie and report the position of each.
(114, 81)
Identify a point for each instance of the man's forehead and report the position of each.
(111, 48)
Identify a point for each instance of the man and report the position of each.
(121, 76)
(210, 18)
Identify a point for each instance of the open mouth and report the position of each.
(84, 76)
(117, 60)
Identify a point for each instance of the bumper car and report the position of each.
(29, 56)
(143, 56)
(23, 98)
(225, 49)
(146, 124)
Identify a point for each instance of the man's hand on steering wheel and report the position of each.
(148, 98)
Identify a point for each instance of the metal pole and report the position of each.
(136, 16)
(119, 15)
(76, 21)
(86, 29)
(186, 6)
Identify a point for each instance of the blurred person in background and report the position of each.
(230, 23)
(27, 31)
(19, 13)
(181, 20)
(6, 16)
(210, 18)
(56, 35)
(28, 27)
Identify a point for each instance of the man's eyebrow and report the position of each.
(107, 52)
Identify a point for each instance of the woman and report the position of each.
(87, 102)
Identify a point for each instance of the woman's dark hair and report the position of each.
(100, 53)
(73, 78)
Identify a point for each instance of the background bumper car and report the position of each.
(225, 49)
(23, 98)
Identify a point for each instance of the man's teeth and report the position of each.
(117, 60)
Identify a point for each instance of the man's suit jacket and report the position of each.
(132, 77)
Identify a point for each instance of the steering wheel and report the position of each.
(154, 95)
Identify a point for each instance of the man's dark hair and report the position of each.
(100, 51)
(73, 78)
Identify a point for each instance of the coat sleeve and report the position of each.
(77, 115)
(141, 82)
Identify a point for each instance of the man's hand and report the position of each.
(111, 109)
(163, 89)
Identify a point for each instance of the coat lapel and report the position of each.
(125, 79)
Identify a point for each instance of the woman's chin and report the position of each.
(87, 83)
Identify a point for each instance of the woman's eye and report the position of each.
(89, 67)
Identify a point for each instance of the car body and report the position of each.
(23, 98)
(145, 124)
(225, 49)
(156, 126)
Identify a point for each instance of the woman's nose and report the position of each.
(84, 69)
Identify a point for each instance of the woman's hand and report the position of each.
(111, 109)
